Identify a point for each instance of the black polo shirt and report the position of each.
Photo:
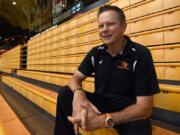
(123, 77)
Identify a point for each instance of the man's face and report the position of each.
(111, 30)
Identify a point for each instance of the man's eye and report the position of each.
(110, 24)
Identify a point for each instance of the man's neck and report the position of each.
(117, 48)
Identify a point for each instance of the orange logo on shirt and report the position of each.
(123, 65)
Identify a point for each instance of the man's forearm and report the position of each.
(74, 84)
(76, 81)
(133, 112)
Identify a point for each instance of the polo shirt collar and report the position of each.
(126, 49)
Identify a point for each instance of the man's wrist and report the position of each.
(103, 120)
(78, 89)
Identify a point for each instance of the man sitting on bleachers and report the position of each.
(125, 81)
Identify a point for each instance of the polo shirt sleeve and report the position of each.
(146, 82)
(86, 67)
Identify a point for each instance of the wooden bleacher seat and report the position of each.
(9, 122)
(168, 98)
(62, 79)
(55, 78)
(42, 97)
(6, 70)
(168, 71)
(161, 131)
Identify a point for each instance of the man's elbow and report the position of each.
(147, 113)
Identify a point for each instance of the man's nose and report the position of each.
(105, 28)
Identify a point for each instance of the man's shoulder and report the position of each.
(98, 49)
(140, 49)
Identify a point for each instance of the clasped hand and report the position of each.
(85, 114)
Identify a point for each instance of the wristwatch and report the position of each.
(109, 121)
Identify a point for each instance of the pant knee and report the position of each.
(65, 91)
(65, 97)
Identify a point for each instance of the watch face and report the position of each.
(110, 123)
